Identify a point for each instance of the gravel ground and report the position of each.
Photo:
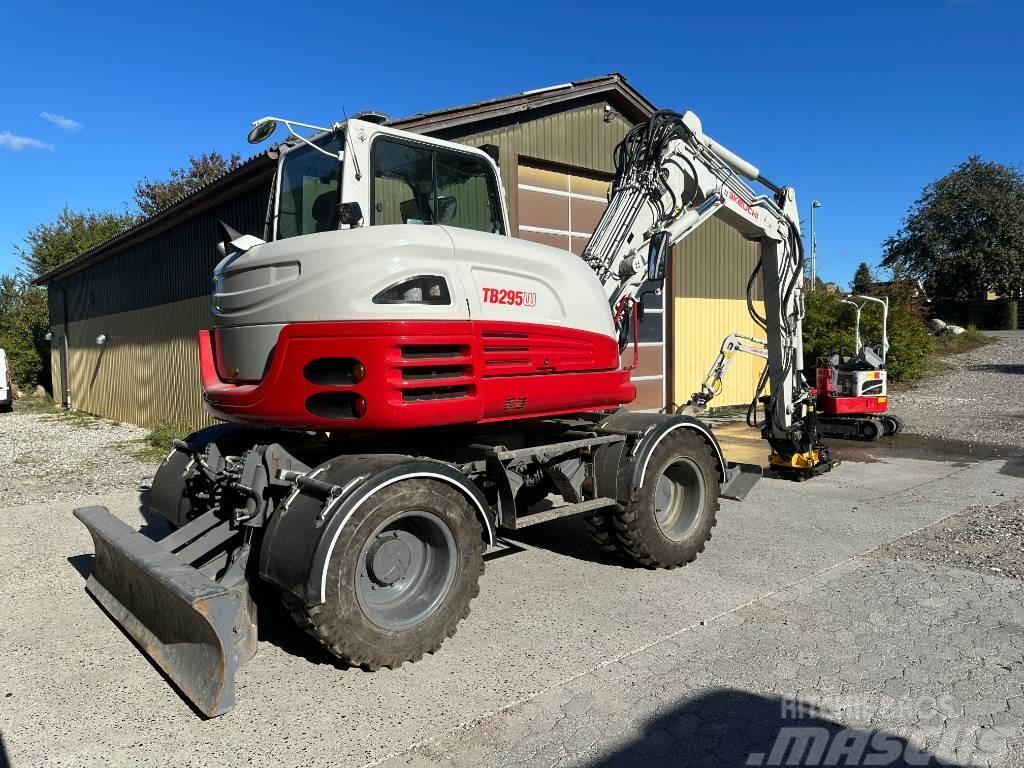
(48, 456)
(979, 399)
(989, 540)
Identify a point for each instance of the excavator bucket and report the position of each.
(195, 629)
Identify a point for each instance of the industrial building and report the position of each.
(124, 316)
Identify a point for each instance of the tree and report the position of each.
(828, 327)
(965, 235)
(23, 325)
(72, 233)
(863, 280)
(153, 196)
(24, 316)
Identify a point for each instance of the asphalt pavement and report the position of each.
(569, 658)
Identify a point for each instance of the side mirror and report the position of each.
(350, 214)
(657, 256)
(262, 129)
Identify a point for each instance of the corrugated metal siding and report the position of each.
(150, 300)
(173, 265)
(148, 370)
(715, 262)
(710, 271)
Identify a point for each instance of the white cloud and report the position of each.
(64, 123)
(16, 143)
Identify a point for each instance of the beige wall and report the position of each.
(148, 371)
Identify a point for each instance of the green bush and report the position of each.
(23, 326)
(829, 326)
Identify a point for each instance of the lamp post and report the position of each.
(814, 244)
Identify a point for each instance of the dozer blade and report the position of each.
(183, 620)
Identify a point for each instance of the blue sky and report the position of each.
(856, 104)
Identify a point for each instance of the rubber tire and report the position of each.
(636, 527)
(601, 528)
(340, 625)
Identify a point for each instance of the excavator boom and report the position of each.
(670, 178)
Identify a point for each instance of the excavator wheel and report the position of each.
(401, 576)
(601, 527)
(891, 425)
(671, 521)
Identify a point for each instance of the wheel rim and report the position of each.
(406, 570)
(679, 499)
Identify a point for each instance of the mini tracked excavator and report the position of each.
(400, 379)
(852, 391)
(851, 395)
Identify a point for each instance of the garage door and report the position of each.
(560, 207)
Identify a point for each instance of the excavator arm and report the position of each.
(712, 384)
(670, 178)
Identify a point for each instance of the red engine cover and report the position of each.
(361, 376)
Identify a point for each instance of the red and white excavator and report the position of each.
(401, 379)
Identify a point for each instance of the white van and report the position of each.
(6, 390)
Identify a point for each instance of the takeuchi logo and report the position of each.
(733, 197)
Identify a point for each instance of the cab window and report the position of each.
(413, 184)
(310, 190)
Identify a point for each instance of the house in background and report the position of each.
(125, 316)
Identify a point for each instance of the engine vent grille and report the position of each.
(434, 393)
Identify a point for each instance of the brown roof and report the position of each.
(614, 87)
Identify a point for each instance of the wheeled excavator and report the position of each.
(400, 379)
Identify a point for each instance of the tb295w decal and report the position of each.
(510, 297)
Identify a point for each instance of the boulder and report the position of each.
(936, 326)
(954, 330)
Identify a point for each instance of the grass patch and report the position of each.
(79, 419)
(157, 443)
(972, 338)
(728, 411)
(947, 345)
(35, 404)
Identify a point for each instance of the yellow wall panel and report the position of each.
(700, 327)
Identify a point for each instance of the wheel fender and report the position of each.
(301, 535)
(621, 468)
